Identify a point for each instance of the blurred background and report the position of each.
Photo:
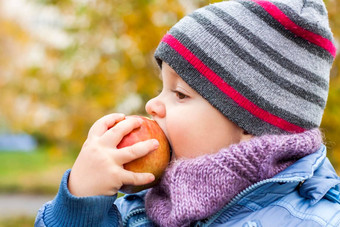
(66, 63)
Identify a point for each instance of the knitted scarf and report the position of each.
(194, 189)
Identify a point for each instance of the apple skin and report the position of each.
(154, 162)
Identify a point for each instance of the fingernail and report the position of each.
(155, 143)
(151, 178)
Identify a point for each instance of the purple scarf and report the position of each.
(195, 189)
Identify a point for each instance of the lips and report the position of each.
(166, 134)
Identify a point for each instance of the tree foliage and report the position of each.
(62, 70)
(105, 66)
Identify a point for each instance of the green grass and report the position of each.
(37, 172)
(17, 221)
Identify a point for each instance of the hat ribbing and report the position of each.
(264, 65)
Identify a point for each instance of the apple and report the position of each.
(154, 162)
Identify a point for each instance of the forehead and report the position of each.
(168, 72)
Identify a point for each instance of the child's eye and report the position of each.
(180, 95)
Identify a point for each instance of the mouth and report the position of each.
(171, 153)
(167, 137)
(170, 146)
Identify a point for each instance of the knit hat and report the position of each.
(263, 64)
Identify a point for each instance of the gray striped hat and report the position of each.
(263, 64)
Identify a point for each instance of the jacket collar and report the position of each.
(313, 175)
(306, 166)
(323, 178)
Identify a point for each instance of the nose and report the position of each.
(155, 107)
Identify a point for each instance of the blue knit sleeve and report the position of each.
(69, 210)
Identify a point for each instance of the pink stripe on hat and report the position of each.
(278, 15)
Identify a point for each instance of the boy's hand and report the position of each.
(98, 169)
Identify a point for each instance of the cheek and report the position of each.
(186, 137)
(179, 134)
(197, 135)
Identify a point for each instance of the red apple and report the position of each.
(155, 162)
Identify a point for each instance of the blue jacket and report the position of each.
(305, 194)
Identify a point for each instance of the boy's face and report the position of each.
(192, 125)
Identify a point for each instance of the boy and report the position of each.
(245, 84)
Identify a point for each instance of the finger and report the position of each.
(138, 150)
(131, 178)
(114, 135)
(105, 123)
